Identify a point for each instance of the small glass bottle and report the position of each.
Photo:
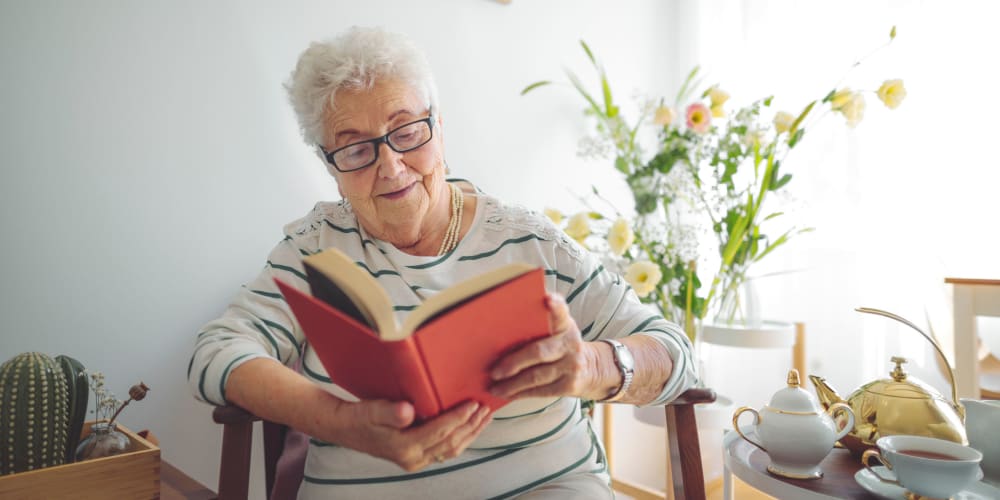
(104, 440)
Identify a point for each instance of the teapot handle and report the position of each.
(841, 408)
(756, 422)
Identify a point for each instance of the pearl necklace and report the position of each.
(455, 223)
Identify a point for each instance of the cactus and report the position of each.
(42, 405)
(79, 392)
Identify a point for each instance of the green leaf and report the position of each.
(689, 82)
(781, 182)
(892, 33)
(610, 109)
(583, 92)
(777, 243)
(622, 165)
(829, 97)
(802, 116)
(796, 137)
(534, 86)
(590, 55)
(775, 214)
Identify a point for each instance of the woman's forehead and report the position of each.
(383, 102)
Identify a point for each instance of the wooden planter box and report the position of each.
(133, 474)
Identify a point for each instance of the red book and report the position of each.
(442, 353)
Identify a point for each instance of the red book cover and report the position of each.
(444, 363)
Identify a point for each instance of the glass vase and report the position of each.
(104, 440)
(740, 305)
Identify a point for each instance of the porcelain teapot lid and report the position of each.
(794, 398)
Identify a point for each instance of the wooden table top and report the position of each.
(972, 281)
(176, 485)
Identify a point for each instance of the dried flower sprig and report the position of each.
(106, 403)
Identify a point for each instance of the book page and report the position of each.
(457, 294)
(341, 274)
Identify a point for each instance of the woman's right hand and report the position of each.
(385, 429)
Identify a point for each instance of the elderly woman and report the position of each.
(367, 103)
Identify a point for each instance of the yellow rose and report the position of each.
(850, 104)
(855, 110)
(554, 215)
(783, 122)
(892, 93)
(644, 276)
(841, 98)
(578, 226)
(620, 237)
(717, 96)
(664, 116)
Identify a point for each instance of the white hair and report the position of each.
(353, 60)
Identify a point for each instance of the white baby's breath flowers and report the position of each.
(643, 276)
(593, 148)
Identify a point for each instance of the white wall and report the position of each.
(149, 158)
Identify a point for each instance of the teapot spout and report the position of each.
(826, 395)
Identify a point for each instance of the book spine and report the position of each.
(413, 378)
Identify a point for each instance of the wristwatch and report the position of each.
(625, 364)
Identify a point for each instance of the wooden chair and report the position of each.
(237, 435)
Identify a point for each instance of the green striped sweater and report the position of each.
(531, 441)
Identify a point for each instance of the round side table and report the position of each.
(749, 463)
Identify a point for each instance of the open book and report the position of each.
(440, 355)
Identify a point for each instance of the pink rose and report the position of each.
(699, 117)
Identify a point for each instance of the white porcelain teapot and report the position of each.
(795, 431)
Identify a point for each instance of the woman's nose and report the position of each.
(390, 162)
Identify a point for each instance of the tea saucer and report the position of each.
(868, 481)
(976, 491)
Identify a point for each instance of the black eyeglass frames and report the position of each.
(365, 153)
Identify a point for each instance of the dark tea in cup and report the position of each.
(927, 454)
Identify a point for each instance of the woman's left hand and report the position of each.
(561, 364)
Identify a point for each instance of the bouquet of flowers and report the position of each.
(711, 172)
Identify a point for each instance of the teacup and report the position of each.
(926, 466)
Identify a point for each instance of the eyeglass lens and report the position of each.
(401, 140)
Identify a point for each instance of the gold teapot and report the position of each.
(898, 405)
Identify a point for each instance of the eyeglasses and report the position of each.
(365, 153)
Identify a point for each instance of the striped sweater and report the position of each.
(530, 441)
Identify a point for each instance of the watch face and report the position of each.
(625, 357)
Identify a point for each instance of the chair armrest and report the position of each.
(237, 435)
(232, 414)
(694, 396)
(687, 479)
